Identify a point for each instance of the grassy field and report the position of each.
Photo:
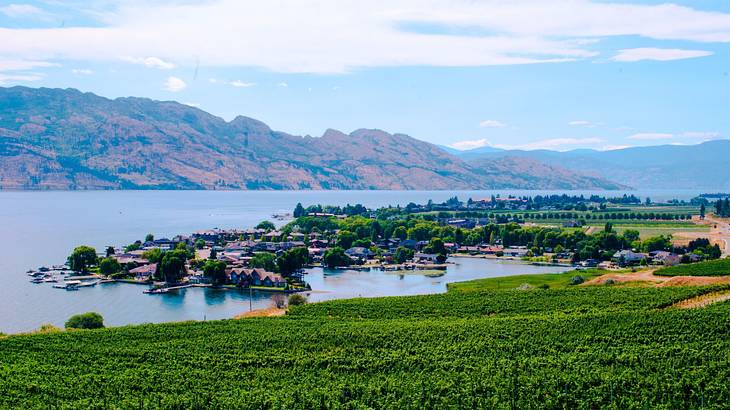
(553, 280)
(474, 347)
(649, 231)
(718, 267)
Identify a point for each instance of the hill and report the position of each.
(66, 139)
(701, 166)
(577, 347)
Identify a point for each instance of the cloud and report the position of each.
(651, 136)
(701, 135)
(151, 62)
(658, 54)
(22, 10)
(469, 144)
(615, 147)
(239, 83)
(282, 84)
(559, 144)
(174, 84)
(192, 104)
(492, 124)
(13, 78)
(379, 33)
(16, 65)
(581, 123)
(82, 71)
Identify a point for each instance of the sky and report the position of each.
(533, 74)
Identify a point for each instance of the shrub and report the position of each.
(577, 280)
(544, 286)
(88, 320)
(297, 299)
(609, 282)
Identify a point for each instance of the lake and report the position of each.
(41, 228)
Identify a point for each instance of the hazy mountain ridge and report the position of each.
(66, 139)
(702, 166)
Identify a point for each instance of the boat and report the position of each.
(36, 280)
(155, 291)
(89, 283)
(68, 285)
(50, 279)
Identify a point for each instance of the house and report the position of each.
(359, 253)
(572, 224)
(144, 272)
(515, 251)
(426, 258)
(255, 277)
(409, 243)
(629, 257)
(664, 258)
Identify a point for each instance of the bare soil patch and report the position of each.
(704, 300)
(271, 311)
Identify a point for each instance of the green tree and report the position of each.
(107, 266)
(149, 237)
(153, 255)
(199, 244)
(136, 245)
(402, 254)
(172, 265)
(216, 271)
(435, 245)
(292, 260)
(299, 210)
(345, 239)
(82, 258)
(608, 227)
(297, 299)
(336, 257)
(264, 260)
(266, 225)
(400, 232)
(631, 236)
(213, 254)
(89, 320)
(110, 251)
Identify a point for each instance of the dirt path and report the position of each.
(703, 300)
(271, 311)
(649, 278)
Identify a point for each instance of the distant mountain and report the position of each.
(66, 139)
(701, 166)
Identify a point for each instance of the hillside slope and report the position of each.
(66, 139)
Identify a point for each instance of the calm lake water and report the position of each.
(41, 228)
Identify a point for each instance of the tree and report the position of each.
(216, 271)
(89, 320)
(133, 246)
(400, 232)
(702, 211)
(292, 260)
(172, 265)
(608, 227)
(631, 236)
(264, 260)
(299, 210)
(435, 245)
(345, 239)
(153, 255)
(149, 237)
(402, 254)
(336, 257)
(107, 266)
(199, 244)
(110, 251)
(82, 258)
(297, 300)
(266, 225)
(213, 254)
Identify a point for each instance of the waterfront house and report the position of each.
(144, 273)
(255, 277)
(629, 257)
(359, 253)
(426, 258)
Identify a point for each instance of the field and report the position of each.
(474, 347)
(646, 231)
(718, 267)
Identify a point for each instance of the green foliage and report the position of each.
(345, 239)
(137, 245)
(216, 271)
(172, 265)
(292, 260)
(718, 267)
(577, 280)
(82, 258)
(108, 266)
(657, 243)
(153, 255)
(199, 244)
(402, 254)
(149, 237)
(264, 260)
(89, 320)
(297, 299)
(335, 257)
(266, 225)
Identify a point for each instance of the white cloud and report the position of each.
(282, 84)
(21, 10)
(581, 123)
(174, 84)
(492, 124)
(239, 83)
(13, 78)
(708, 135)
(151, 62)
(82, 71)
(651, 136)
(16, 65)
(378, 33)
(469, 144)
(658, 54)
(614, 147)
(559, 144)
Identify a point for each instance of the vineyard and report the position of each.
(581, 347)
(718, 267)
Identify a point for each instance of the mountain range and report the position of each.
(701, 166)
(67, 139)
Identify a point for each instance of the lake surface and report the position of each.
(41, 228)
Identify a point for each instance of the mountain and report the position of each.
(701, 166)
(66, 139)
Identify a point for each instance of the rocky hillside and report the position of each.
(65, 139)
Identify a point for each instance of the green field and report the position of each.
(718, 267)
(575, 347)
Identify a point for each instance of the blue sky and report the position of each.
(532, 74)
